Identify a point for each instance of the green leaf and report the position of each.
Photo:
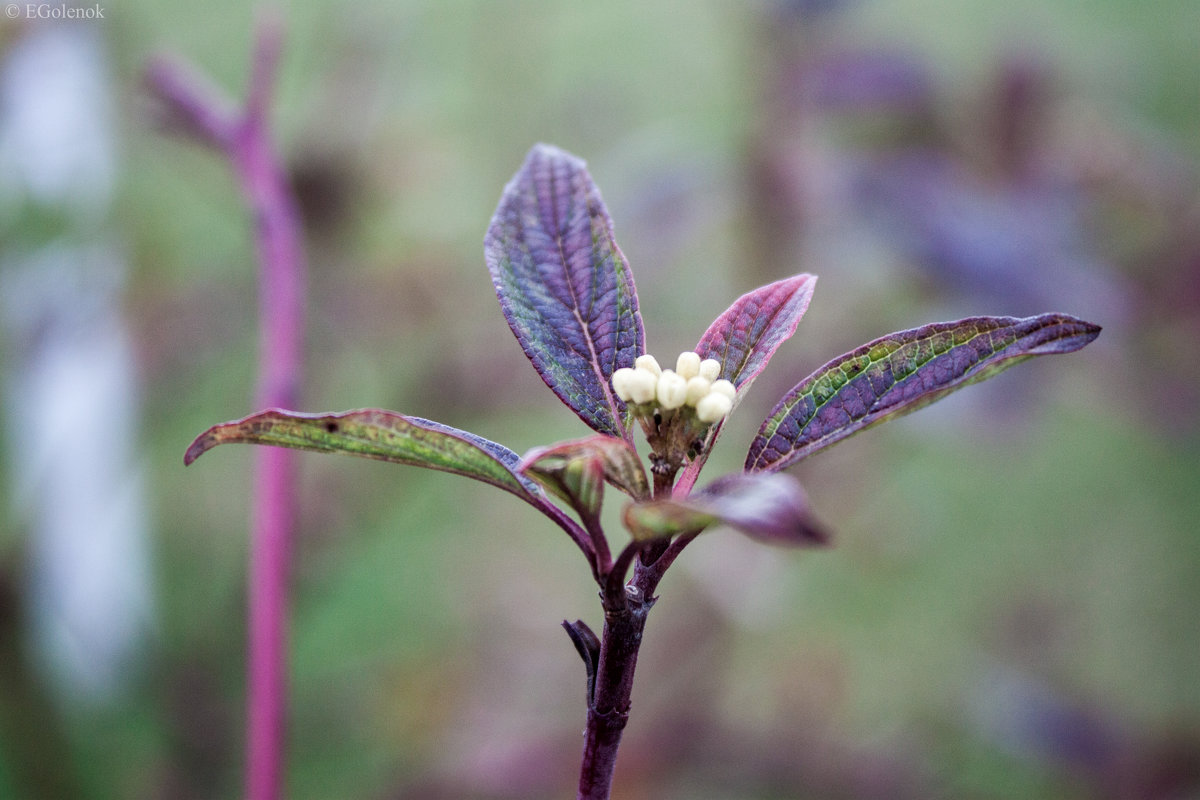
(578, 481)
(618, 459)
(576, 471)
(377, 434)
(900, 373)
(662, 519)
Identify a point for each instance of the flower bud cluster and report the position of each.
(692, 384)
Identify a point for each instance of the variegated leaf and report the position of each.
(900, 373)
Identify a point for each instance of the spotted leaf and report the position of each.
(377, 434)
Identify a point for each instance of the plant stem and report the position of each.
(608, 707)
(281, 303)
(609, 701)
(626, 606)
(270, 559)
(245, 139)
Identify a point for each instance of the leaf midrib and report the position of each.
(594, 359)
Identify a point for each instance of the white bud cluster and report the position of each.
(692, 383)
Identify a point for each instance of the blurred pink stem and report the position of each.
(246, 141)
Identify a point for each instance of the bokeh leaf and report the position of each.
(901, 372)
(564, 285)
(769, 507)
(383, 435)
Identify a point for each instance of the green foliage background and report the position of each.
(1010, 610)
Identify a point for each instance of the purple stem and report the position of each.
(626, 606)
(245, 139)
(608, 707)
(612, 689)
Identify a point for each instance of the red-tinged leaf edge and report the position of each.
(743, 339)
(745, 336)
(578, 481)
(618, 460)
(564, 285)
(900, 373)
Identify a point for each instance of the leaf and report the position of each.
(772, 508)
(564, 285)
(900, 373)
(578, 480)
(769, 507)
(617, 458)
(749, 332)
(587, 644)
(377, 434)
(745, 337)
(662, 519)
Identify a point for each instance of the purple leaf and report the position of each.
(768, 507)
(564, 285)
(900, 373)
(377, 434)
(745, 337)
(749, 332)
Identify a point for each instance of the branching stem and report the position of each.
(244, 137)
(610, 688)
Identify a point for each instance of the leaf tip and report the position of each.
(1069, 333)
(200, 445)
(816, 534)
(547, 150)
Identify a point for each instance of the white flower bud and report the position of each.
(648, 362)
(724, 387)
(642, 384)
(697, 388)
(688, 365)
(672, 390)
(710, 368)
(713, 406)
(621, 381)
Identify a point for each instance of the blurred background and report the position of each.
(1010, 610)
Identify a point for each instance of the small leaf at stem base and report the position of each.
(617, 459)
